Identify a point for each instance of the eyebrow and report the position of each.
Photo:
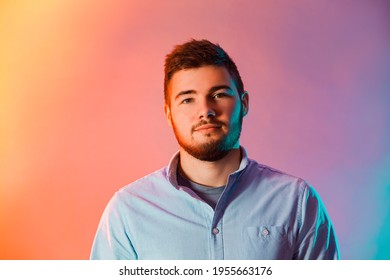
(214, 89)
(211, 90)
(184, 92)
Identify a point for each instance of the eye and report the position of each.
(219, 95)
(186, 100)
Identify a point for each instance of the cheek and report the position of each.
(185, 114)
(181, 120)
(234, 113)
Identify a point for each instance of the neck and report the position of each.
(210, 173)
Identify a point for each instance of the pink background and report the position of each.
(81, 108)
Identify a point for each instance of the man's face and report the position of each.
(205, 111)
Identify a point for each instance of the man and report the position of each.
(212, 201)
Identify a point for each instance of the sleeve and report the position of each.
(112, 240)
(316, 237)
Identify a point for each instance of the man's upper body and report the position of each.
(261, 214)
(212, 202)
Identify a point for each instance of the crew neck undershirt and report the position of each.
(209, 194)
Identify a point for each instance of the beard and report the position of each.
(211, 149)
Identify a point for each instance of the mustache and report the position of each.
(203, 122)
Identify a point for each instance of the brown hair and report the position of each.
(198, 53)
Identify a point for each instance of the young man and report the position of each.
(212, 201)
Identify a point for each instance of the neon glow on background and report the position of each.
(81, 108)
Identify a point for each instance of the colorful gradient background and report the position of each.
(81, 108)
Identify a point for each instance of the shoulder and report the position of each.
(274, 176)
(140, 192)
(147, 183)
(266, 180)
(288, 185)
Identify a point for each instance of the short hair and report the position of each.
(195, 54)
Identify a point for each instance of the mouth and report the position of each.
(207, 127)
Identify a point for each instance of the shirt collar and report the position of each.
(173, 164)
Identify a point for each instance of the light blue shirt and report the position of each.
(262, 214)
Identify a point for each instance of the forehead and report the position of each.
(199, 79)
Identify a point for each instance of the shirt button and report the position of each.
(265, 232)
(215, 231)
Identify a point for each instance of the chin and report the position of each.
(213, 150)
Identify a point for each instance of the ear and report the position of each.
(245, 102)
(167, 111)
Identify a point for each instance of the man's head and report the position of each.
(204, 99)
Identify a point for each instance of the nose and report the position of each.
(206, 110)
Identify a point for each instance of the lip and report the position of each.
(207, 127)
